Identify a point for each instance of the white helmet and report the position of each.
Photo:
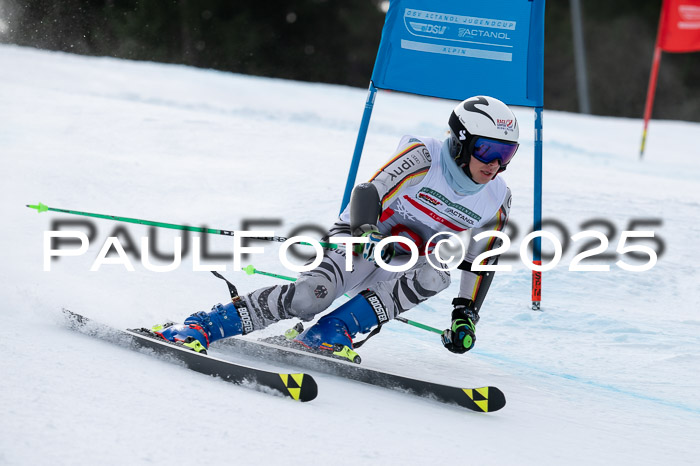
(483, 127)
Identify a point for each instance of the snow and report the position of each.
(606, 374)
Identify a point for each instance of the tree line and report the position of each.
(335, 41)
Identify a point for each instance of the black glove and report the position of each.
(460, 338)
(367, 250)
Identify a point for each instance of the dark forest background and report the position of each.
(335, 41)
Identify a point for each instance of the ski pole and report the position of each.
(44, 208)
(418, 324)
(250, 270)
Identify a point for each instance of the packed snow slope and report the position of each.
(607, 373)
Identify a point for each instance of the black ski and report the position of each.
(301, 387)
(481, 399)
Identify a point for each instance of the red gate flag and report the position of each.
(679, 30)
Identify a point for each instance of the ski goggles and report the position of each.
(487, 150)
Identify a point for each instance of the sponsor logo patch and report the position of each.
(457, 211)
(505, 125)
(244, 314)
(321, 292)
(397, 171)
(457, 214)
(470, 106)
(429, 199)
(377, 306)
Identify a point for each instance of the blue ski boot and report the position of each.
(190, 335)
(203, 328)
(334, 332)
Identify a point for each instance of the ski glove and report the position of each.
(460, 337)
(366, 250)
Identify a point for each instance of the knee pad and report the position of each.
(311, 296)
(432, 279)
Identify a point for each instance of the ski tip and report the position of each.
(485, 399)
(39, 207)
(250, 270)
(301, 387)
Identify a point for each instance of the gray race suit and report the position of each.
(416, 203)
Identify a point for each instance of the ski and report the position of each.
(298, 386)
(480, 399)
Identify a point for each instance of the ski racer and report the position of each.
(427, 187)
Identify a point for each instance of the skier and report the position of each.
(427, 187)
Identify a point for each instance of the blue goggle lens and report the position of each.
(487, 150)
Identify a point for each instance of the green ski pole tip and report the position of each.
(39, 208)
(250, 270)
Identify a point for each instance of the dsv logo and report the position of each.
(429, 28)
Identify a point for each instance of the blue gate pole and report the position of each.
(359, 145)
(537, 221)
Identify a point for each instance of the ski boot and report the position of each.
(192, 336)
(203, 328)
(334, 332)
